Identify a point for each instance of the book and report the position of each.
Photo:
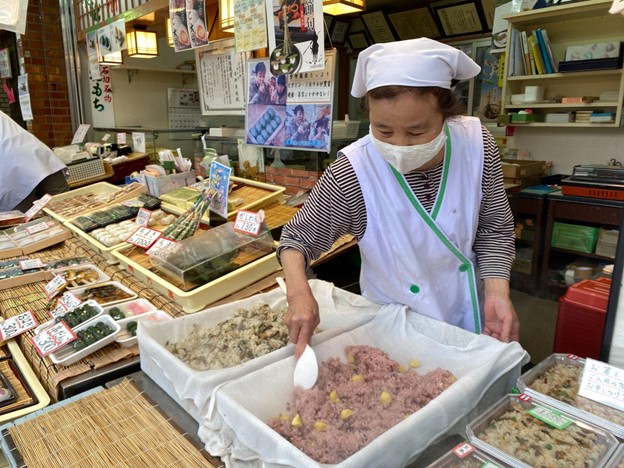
(534, 56)
(551, 55)
(539, 61)
(526, 53)
(543, 51)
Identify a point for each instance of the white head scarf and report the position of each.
(415, 62)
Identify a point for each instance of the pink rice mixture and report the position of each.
(340, 439)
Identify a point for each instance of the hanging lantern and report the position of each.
(226, 11)
(142, 44)
(343, 7)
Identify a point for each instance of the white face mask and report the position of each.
(407, 158)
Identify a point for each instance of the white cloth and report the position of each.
(485, 368)
(424, 261)
(24, 162)
(416, 62)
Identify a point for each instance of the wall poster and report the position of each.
(222, 81)
(290, 111)
(250, 25)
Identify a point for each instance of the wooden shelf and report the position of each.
(558, 105)
(566, 76)
(158, 70)
(582, 254)
(553, 14)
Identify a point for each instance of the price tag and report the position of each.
(37, 227)
(37, 207)
(55, 285)
(31, 264)
(550, 416)
(69, 301)
(463, 450)
(80, 134)
(58, 311)
(106, 137)
(143, 217)
(156, 250)
(17, 325)
(144, 237)
(603, 383)
(247, 222)
(121, 138)
(49, 340)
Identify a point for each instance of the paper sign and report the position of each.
(69, 300)
(58, 311)
(31, 264)
(106, 137)
(37, 227)
(17, 325)
(603, 383)
(121, 138)
(144, 237)
(462, 450)
(157, 249)
(37, 207)
(143, 217)
(49, 340)
(138, 141)
(80, 134)
(247, 222)
(55, 285)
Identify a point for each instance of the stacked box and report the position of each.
(575, 237)
(607, 243)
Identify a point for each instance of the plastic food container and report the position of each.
(617, 460)
(132, 308)
(510, 432)
(465, 455)
(210, 255)
(108, 293)
(67, 355)
(78, 313)
(125, 338)
(563, 373)
(81, 275)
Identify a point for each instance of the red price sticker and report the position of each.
(35, 228)
(31, 264)
(156, 250)
(247, 222)
(462, 450)
(17, 325)
(143, 217)
(49, 340)
(69, 300)
(55, 285)
(58, 311)
(144, 237)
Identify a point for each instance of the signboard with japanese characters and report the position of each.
(221, 80)
(101, 98)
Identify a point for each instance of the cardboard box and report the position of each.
(526, 118)
(598, 50)
(518, 168)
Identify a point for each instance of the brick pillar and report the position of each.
(44, 62)
(295, 180)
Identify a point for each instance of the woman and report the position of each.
(423, 195)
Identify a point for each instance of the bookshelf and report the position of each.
(570, 24)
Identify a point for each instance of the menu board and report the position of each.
(222, 81)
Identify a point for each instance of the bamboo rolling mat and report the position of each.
(23, 392)
(118, 427)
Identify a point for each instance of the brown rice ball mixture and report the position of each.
(352, 403)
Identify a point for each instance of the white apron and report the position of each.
(24, 162)
(411, 257)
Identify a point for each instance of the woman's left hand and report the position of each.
(501, 321)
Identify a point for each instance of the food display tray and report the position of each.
(488, 420)
(583, 408)
(465, 455)
(101, 276)
(67, 356)
(128, 340)
(127, 307)
(132, 294)
(92, 303)
(198, 298)
(254, 194)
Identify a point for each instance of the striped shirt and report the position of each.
(336, 207)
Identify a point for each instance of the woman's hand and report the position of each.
(302, 318)
(501, 321)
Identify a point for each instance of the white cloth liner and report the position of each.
(339, 311)
(485, 367)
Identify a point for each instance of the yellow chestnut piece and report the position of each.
(454, 379)
(345, 414)
(414, 363)
(284, 417)
(320, 425)
(402, 369)
(351, 358)
(296, 421)
(357, 378)
(333, 397)
(385, 398)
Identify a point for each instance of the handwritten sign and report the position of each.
(121, 138)
(247, 222)
(54, 286)
(17, 325)
(143, 217)
(603, 383)
(69, 300)
(31, 264)
(58, 311)
(37, 207)
(80, 134)
(156, 250)
(144, 237)
(106, 137)
(550, 416)
(37, 227)
(50, 339)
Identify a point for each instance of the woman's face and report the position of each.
(405, 120)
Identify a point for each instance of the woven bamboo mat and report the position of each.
(118, 427)
(277, 215)
(31, 297)
(22, 390)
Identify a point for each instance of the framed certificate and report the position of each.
(338, 34)
(358, 41)
(416, 23)
(378, 26)
(458, 19)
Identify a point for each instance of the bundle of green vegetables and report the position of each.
(186, 225)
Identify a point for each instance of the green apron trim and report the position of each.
(447, 243)
(445, 170)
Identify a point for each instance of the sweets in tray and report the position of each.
(31, 237)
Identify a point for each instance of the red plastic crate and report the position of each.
(581, 318)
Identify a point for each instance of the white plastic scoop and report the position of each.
(306, 369)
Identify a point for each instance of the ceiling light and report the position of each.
(142, 44)
(343, 7)
(226, 11)
(114, 58)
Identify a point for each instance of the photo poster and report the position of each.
(104, 40)
(92, 51)
(490, 96)
(222, 80)
(296, 36)
(179, 28)
(5, 64)
(292, 112)
(118, 35)
(250, 25)
(196, 22)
